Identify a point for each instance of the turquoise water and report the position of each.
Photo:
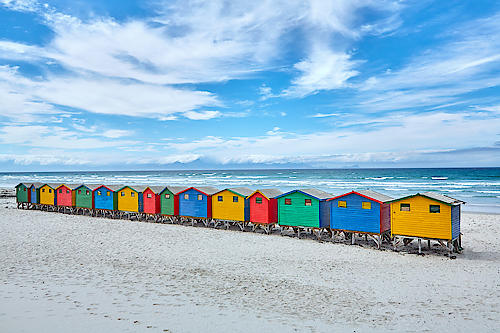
(479, 187)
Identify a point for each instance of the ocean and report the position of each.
(478, 187)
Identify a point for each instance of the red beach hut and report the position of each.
(151, 199)
(65, 195)
(264, 207)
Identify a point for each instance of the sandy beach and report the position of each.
(73, 273)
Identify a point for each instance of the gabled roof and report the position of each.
(207, 190)
(25, 184)
(70, 186)
(269, 193)
(89, 186)
(37, 185)
(369, 194)
(241, 191)
(137, 188)
(176, 189)
(113, 188)
(312, 192)
(52, 185)
(155, 189)
(434, 196)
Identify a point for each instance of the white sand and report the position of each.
(65, 273)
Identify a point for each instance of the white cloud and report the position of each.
(324, 69)
(202, 115)
(20, 5)
(116, 133)
(324, 115)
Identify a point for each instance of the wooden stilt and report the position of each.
(419, 246)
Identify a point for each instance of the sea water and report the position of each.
(478, 187)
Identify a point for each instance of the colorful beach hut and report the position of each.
(196, 202)
(22, 193)
(130, 199)
(151, 199)
(83, 196)
(306, 208)
(427, 215)
(363, 211)
(35, 192)
(105, 197)
(48, 194)
(169, 200)
(65, 195)
(264, 206)
(231, 204)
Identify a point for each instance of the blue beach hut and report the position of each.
(196, 202)
(105, 197)
(364, 211)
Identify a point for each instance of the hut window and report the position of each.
(366, 205)
(132, 194)
(235, 198)
(308, 202)
(258, 200)
(186, 196)
(80, 192)
(122, 194)
(149, 195)
(24, 189)
(87, 192)
(342, 204)
(108, 193)
(50, 190)
(43, 190)
(60, 190)
(404, 207)
(167, 196)
(288, 201)
(434, 209)
(98, 192)
(200, 197)
(67, 191)
(219, 198)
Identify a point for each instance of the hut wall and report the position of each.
(64, 196)
(324, 214)
(167, 206)
(34, 195)
(353, 217)
(419, 222)
(104, 198)
(83, 197)
(298, 214)
(385, 217)
(227, 209)
(152, 204)
(47, 195)
(273, 211)
(192, 206)
(259, 212)
(22, 193)
(128, 200)
(455, 221)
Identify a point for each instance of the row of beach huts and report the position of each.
(423, 216)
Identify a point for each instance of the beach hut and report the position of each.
(196, 202)
(264, 208)
(105, 198)
(48, 194)
(22, 194)
(151, 199)
(65, 196)
(130, 199)
(35, 192)
(231, 204)
(306, 208)
(169, 200)
(428, 215)
(83, 196)
(367, 212)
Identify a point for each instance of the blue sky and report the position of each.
(102, 85)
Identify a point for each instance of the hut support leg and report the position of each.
(419, 245)
(353, 240)
(429, 244)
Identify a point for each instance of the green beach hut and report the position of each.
(22, 194)
(169, 200)
(305, 208)
(83, 196)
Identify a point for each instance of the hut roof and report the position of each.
(379, 197)
(89, 186)
(137, 188)
(434, 196)
(25, 184)
(208, 190)
(312, 192)
(37, 185)
(156, 189)
(241, 191)
(113, 188)
(70, 186)
(269, 193)
(53, 185)
(176, 189)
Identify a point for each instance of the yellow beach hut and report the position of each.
(428, 215)
(231, 204)
(130, 199)
(48, 194)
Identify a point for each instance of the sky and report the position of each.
(145, 85)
